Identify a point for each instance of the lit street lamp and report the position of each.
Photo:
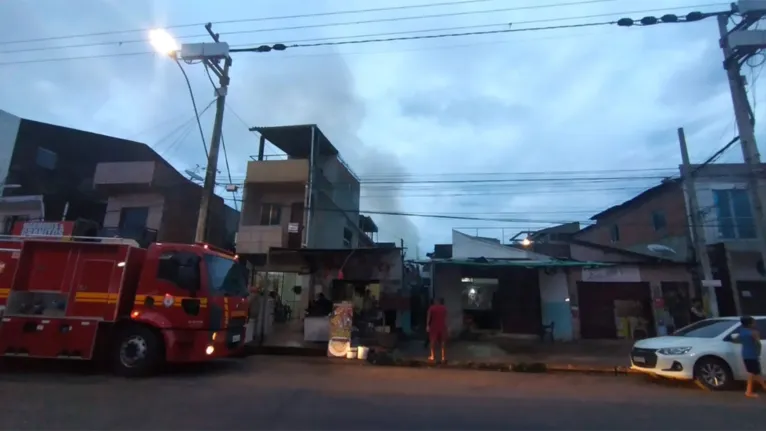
(210, 54)
(163, 42)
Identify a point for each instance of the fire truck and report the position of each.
(91, 298)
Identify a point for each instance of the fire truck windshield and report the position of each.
(225, 276)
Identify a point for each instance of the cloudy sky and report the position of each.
(477, 126)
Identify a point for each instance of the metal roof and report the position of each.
(295, 140)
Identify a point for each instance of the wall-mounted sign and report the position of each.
(293, 228)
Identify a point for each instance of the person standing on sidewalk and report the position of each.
(436, 326)
(697, 312)
(750, 340)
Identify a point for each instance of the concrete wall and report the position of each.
(9, 131)
(124, 173)
(154, 201)
(554, 299)
(466, 246)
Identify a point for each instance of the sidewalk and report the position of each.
(498, 354)
(527, 356)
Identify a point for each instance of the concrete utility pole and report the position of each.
(208, 187)
(738, 46)
(698, 235)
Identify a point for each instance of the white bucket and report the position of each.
(362, 352)
(351, 353)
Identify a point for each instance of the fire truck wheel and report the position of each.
(138, 352)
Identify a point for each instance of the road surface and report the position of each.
(296, 393)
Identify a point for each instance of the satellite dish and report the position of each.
(193, 175)
(660, 249)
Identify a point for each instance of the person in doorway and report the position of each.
(750, 340)
(697, 312)
(324, 306)
(436, 326)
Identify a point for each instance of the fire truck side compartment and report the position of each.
(62, 293)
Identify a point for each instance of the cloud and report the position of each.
(480, 107)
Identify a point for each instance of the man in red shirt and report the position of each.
(437, 327)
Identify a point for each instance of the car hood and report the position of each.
(669, 341)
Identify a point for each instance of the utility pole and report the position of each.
(697, 230)
(208, 187)
(738, 46)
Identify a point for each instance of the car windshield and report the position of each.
(226, 276)
(709, 328)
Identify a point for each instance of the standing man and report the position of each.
(436, 326)
(751, 354)
(697, 312)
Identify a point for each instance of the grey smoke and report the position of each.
(276, 93)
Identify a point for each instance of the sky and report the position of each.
(509, 131)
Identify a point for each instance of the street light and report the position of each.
(163, 42)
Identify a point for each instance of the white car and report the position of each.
(705, 351)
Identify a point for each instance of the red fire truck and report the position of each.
(92, 298)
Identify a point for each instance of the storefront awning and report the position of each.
(517, 263)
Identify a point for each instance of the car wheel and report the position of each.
(713, 374)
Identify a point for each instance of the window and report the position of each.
(271, 215)
(709, 328)
(734, 216)
(46, 158)
(133, 221)
(179, 268)
(615, 233)
(225, 276)
(348, 237)
(658, 221)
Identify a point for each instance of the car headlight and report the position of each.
(674, 351)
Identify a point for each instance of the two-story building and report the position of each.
(57, 173)
(652, 223)
(728, 229)
(150, 201)
(657, 222)
(309, 198)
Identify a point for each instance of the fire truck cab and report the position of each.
(90, 298)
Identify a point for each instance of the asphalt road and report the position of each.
(286, 393)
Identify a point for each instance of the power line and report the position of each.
(443, 15)
(194, 105)
(462, 217)
(264, 48)
(447, 29)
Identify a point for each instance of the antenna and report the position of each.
(193, 175)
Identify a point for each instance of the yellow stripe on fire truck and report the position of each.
(141, 299)
(96, 297)
(4, 293)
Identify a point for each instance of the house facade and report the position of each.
(597, 292)
(309, 198)
(730, 234)
(151, 201)
(652, 223)
(55, 165)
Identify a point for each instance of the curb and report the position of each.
(386, 361)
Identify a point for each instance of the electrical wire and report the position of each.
(363, 41)
(228, 170)
(223, 141)
(447, 29)
(443, 15)
(447, 216)
(194, 105)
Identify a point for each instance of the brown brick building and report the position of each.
(654, 217)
